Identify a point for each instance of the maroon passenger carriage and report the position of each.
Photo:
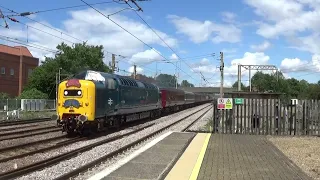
(172, 100)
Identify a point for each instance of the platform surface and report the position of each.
(246, 157)
(155, 161)
(189, 163)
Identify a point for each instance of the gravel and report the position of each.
(39, 124)
(14, 142)
(200, 125)
(34, 147)
(303, 151)
(9, 128)
(88, 156)
(178, 127)
(33, 129)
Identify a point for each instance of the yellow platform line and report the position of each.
(196, 169)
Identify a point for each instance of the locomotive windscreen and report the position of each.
(71, 92)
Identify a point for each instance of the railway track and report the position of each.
(11, 123)
(22, 150)
(17, 127)
(56, 159)
(51, 161)
(28, 133)
(44, 145)
(77, 171)
(186, 129)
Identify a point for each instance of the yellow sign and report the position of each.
(229, 104)
(224, 103)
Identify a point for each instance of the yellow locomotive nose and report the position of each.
(76, 99)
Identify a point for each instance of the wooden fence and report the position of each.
(269, 117)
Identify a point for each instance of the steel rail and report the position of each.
(120, 150)
(53, 160)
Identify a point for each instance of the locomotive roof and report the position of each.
(126, 81)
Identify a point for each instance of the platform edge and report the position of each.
(123, 161)
(164, 173)
(196, 169)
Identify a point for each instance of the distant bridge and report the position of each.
(207, 90)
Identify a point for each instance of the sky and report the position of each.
(283, 33)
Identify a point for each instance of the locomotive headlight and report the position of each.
(65, 93)
(79, 93)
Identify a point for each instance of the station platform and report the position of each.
(191, 156)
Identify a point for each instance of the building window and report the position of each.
(29, 72)
(11, 72)
(3, 70)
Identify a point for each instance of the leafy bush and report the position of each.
(33, 94)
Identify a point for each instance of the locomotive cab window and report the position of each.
(111, 83)
(72, 92)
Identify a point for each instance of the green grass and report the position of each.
(208, 126)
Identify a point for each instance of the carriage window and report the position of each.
(111, 83)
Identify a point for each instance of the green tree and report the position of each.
(185, 83)
(235, 86)
(33, 94)
(4, 95)
(72, 60)
(313, 91)
(166, 80)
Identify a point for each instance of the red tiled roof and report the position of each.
(15, 50)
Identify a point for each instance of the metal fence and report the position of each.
(268, 117)
(27, 105)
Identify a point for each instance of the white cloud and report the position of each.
(298, 65)
(228, 17)
(257, 58)
(199, 32)
(204, 66)
(286, 17)
(138, 69)
(95, 29)
(261, 47)
(145, 57)
(231, 70)
(307, 43)
(293, 65)
(173, 57)
(229, 51)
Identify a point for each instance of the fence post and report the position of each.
(7, 104)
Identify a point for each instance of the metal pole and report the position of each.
(239, 77)
(250, 78)
(113, 62)
(156, 71)
(134, 71)
(56, 90)
(221, 70)
(176, 75)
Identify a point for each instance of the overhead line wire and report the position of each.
(29, 13)
(56, 30)
(56, 9)
(25, 14)
(160, 36)
(130, 33)
(26, 45)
